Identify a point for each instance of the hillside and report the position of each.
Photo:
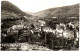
(7, 6)
(65, 11)
(11, 15)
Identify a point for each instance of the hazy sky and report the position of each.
(38, 5)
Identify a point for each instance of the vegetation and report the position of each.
(12, 15)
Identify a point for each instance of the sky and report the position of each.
(39, 5)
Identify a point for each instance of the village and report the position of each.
(61, 36)
(30, 28)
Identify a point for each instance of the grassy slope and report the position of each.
(66, 11)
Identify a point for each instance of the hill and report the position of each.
(7, 6)
(11, 11)
(11, 15)
(65, 11)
